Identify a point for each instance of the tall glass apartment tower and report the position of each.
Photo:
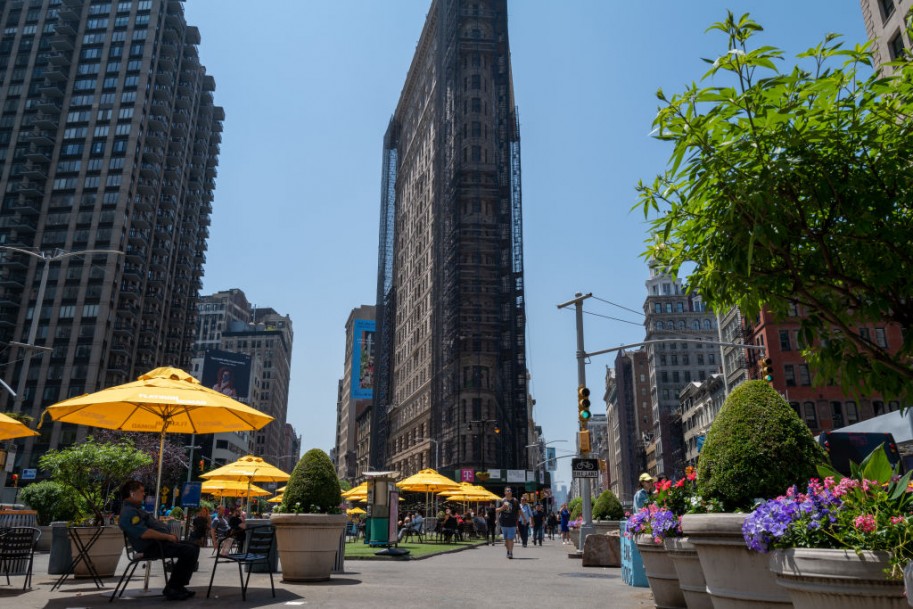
(451, 378)
(109, 140)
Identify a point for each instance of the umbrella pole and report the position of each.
(158, 485)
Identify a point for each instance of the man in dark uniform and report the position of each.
(151, 538)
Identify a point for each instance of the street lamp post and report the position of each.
(36, 313)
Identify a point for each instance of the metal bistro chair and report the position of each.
(352, 531)
(17, 545)
(259, 543)
(134, 558)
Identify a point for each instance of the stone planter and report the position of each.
(667, 594)
(690, 575)
(44, 542)
(105, 553)
(308, 544)
(837, 579)
(736, 577)
(908, 580)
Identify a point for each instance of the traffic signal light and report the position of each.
(202, 466)
(583, 405)
(767, 369)
(15, 478)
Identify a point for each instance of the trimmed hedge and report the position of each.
(608, 507)
(313, 487)
(757, 447)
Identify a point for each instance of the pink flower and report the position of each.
(897, 519)
(865, 523)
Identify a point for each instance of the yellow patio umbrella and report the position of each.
(355, 510)
(274, 500)
(248, 469)
(361, 489)
(11, 428)
(281, 490)
(161, 401)
(232, 488)
(427, 481)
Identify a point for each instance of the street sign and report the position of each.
(585, 468)
(29, 474)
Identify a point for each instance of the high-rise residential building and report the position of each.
(451, 373)
(681, 320)
(356, 388)
(109, 139)
(216, 314)
(886, 24)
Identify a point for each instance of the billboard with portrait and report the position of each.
(363, 359)
(227, 373)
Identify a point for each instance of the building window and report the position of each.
(851, 412)
(837, 415)
(811, 417)
(895, 47)
(804, 378)
(887, 8)
(881, 338)
(789, 373)
(784, 341)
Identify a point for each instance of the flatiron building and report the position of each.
(451, 379)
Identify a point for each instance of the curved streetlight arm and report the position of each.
(39, 299)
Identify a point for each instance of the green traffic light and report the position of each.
(584, 414)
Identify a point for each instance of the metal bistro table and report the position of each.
(83, 539)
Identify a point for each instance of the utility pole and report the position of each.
(587, 527)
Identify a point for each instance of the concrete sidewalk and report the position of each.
(473, 578)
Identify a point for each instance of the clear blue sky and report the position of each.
(308, 88)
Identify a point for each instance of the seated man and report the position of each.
(415, 526)
(151, 538)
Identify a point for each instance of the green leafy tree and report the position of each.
(93, 471)
(792, 188)
(608, 507)
(313, 486)
(51, 500)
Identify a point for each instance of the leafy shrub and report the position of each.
(608, 507)
(575, 507)
(313, 486)
(93, 471)
(52, 501)
(756, 448)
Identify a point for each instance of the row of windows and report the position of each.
(682, 325)
(673, 359)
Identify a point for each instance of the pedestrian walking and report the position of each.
(509, 514)
(538, 524)
(642, 496)
(525, 520)
(551, 523)
(491, 519)
(565, 520)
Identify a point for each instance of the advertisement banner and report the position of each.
(551, 458)
(227, 373)
(363, 359)
(190, 494)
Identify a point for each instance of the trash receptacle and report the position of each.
(273, 553)
(61, 556)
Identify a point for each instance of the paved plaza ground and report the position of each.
(476, 577)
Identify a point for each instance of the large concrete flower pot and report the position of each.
(307, 544)
(667, 594)
(690, 575)
(837, 579)
(736, 577)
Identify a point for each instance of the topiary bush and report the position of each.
(313, 487)
(608, 507)
(757, 447)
